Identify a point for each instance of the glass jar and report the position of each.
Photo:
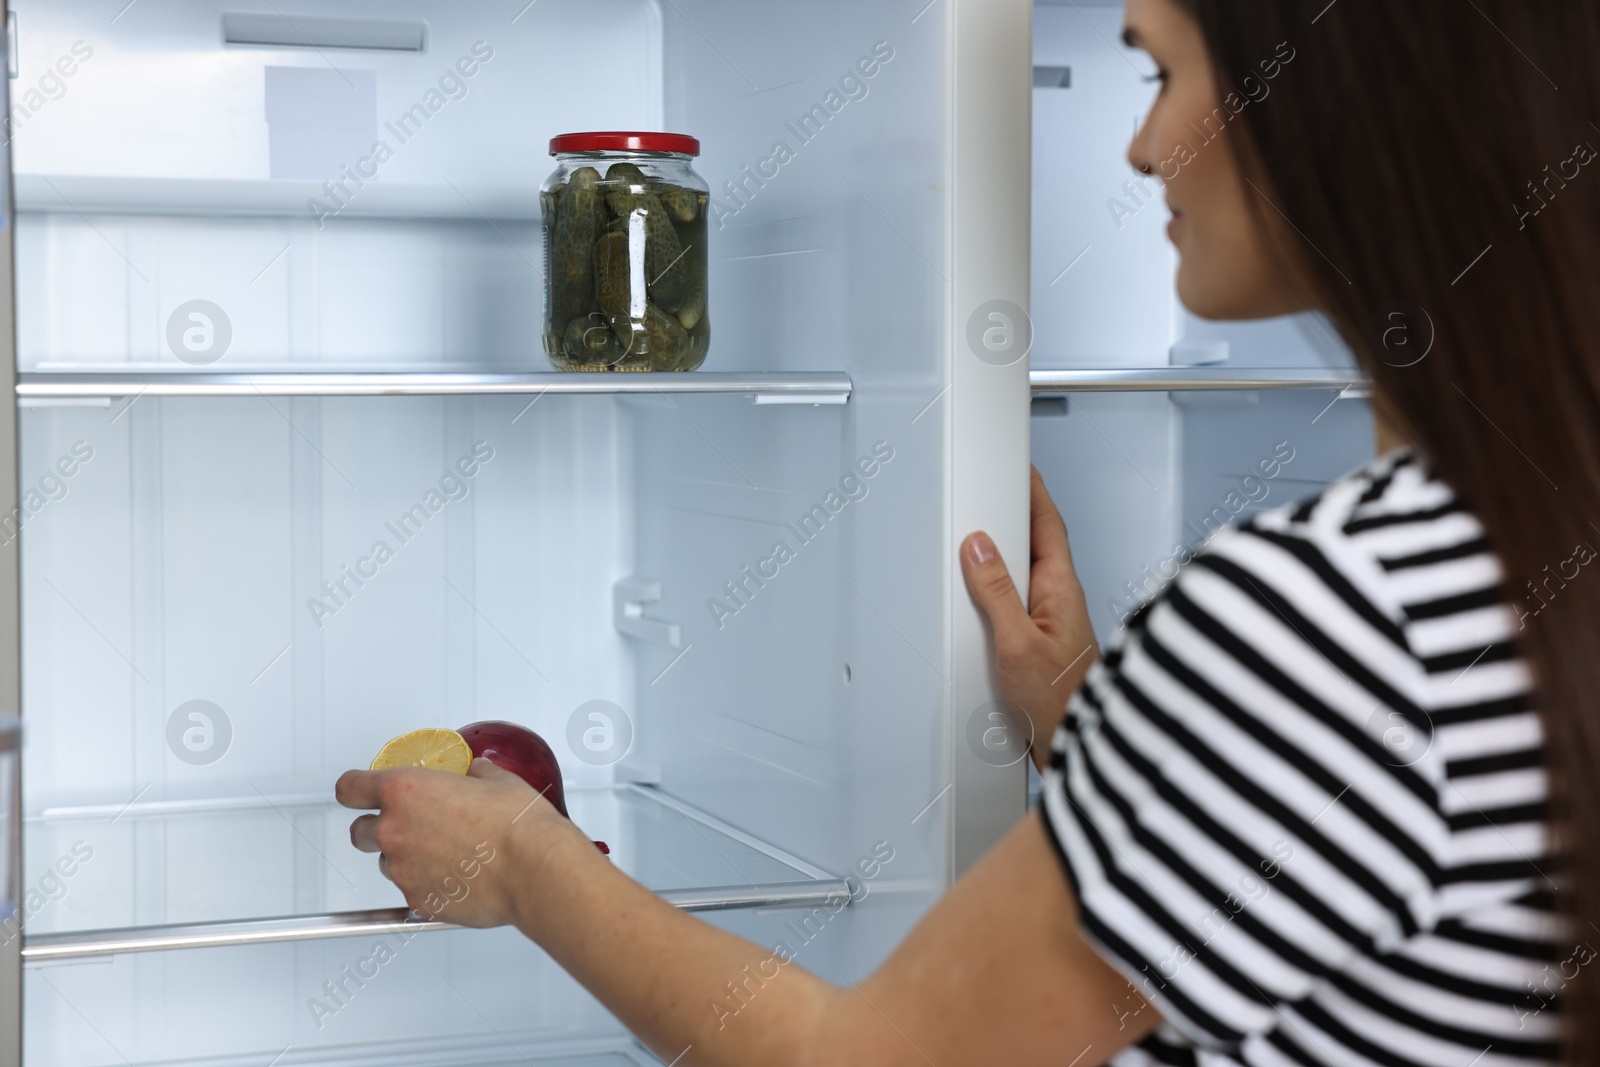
(625, 253)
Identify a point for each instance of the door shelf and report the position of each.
(1193, 379)
(799, 387)
(183, 875)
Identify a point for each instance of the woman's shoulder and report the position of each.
(1356, 598)
(1384, 584)
(1351, 572)
(1390, 537)
(1361, 636)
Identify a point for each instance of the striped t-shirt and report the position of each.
(1302, 799)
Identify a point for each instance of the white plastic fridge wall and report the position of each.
(809, 705)
(1102, 264)
(185, 560)
(178, 560)
(1140, 477)
(1101, 279)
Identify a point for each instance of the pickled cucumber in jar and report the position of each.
(683, 204)
(589, 340)
(577, 224)
(626, 249)
(634, 202)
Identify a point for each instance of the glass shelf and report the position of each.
(1192, 379)
(254, 871)
(90, 193)
(800, 387)
(797, 387)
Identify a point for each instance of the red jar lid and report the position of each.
(617, 141)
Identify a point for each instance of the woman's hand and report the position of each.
(460, 848)
(1044, 650)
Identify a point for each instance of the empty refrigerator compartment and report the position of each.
(250, 520)
(258, 870)
(1144, 480)
(377, 203)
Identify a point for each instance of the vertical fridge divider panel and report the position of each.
(989, 444)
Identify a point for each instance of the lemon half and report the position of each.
(436, 750)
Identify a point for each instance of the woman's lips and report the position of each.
(1172, 225)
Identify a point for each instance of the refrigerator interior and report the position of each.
(783, 733)
(1141, 475)
(214, 632)
(1144, 479)
(1102, 266)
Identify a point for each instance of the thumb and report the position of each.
(490, 772)
(991, 587)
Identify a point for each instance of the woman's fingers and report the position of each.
(1048, 532)
(364, 833)
(1052, 554)
(1044, 647)
(991, 586)
(489, 771)
(359, 789)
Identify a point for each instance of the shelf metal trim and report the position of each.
(817, 387)
(89, 944)
(1192, 379)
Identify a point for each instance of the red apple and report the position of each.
(525, 754)
(522, 752)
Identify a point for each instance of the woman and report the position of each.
(1299, 813)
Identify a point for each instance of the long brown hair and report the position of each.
(1438, 162)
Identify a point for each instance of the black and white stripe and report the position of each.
(1302, 800)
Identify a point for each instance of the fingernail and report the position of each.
(982, 548)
